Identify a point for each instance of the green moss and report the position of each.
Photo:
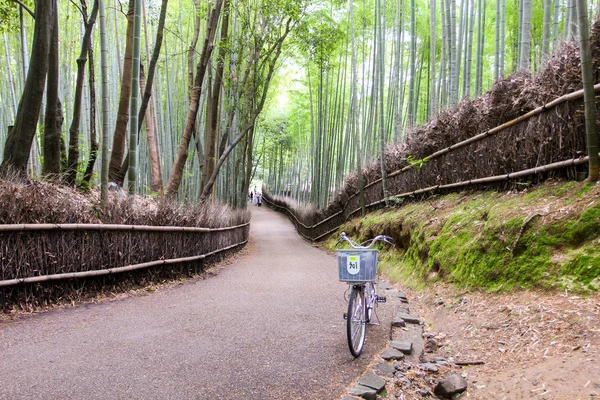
(469, 239)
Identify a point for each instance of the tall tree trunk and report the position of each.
(397, 76)
(432, 44)
(502, 37)
(192, 47)
(120, 133)
(20, 137)
(382, 25)
(25, 56)
(555, 37)
(213, 103)
(469, 69)
(588, 91)
(147, 90)
(547, 22)
(182, 151)
(89, 170)
(135, 91)
(520, 34)
(460, 32)
(54, 118)
(412, 111)
(526, 36)
(354, 113)
(497, 48)
(567, 20)
(573, 19)
(104, 104)
(482, 45)
(86, 44)
(156, 185)
(453, 57)
(479, 56)
(443, 82)
(11, 82)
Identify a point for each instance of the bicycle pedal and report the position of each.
(345, 315)
(381, 299)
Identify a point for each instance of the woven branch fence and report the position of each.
(34, 256)
(542, 141)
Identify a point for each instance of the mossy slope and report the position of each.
(545, 237)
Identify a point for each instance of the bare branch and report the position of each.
(19, 2)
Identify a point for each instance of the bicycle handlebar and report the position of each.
(379, 238)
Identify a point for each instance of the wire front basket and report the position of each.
(357, 265)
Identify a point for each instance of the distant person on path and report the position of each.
(251, 195)
(259, 199)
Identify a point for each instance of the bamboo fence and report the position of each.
(34, 254)
(437, 161)
(108, 271)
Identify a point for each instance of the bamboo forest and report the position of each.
(291, 94)
(299, 199)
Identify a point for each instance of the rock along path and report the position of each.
(269, 326)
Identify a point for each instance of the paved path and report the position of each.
(269, 326)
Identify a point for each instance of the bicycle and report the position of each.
(358, 267)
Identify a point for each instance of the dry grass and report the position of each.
(39, 253)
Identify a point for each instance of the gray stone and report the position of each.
(392, 354)
(429, 367)
(403, 381)
(409, 319)
(385, 369)
(364, 392)
(431, 346)
(402, 310)
(349, 398)
(423, 392)
(403, 346)
(370, 379)
(402, 366)
(398, 322)
(449, 386)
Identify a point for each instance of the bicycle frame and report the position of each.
(362, 303)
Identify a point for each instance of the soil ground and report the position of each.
(532, 344)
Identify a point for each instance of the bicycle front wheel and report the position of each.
(356, 321)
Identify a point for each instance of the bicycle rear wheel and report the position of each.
(356, 322)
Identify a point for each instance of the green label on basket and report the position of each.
(353, 265)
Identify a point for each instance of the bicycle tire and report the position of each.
(356, 323)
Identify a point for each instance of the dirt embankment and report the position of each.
(532, 344)
(506, 283)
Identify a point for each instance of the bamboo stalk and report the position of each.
(111, 227)
(100, 272)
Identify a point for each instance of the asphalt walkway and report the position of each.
(268, 326)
